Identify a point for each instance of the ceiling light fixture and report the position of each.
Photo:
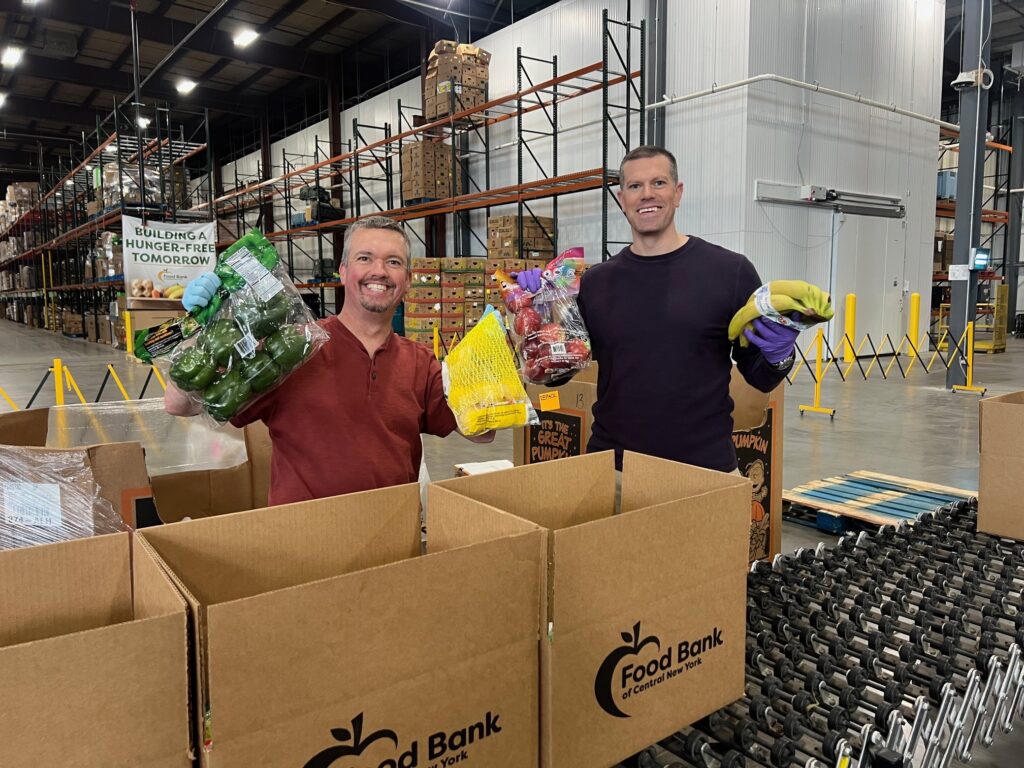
(244, 37)
(144, 122)
(185, 86)
(11, 56)
(3, 99)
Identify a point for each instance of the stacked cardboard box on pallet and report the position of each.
(448, 294)
(427, 172)
(423, 301)
(456, 79)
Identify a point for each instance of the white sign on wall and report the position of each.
(160, 258)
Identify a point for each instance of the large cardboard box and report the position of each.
(93, 658)
(1000, 481)
(322, 633)
(178, 495)
(566, 416)
(645, 610)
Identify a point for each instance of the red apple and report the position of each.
(527, 321)
(578, 349)
(516, 301)
(534, 371)
(551, 332)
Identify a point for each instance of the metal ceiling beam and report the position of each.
(360, 47)
(280, 15)
(120, 82)
(115, 19)
(207, 22)
(328, 26)
(393, 9)
(252, 79)
(52, 111)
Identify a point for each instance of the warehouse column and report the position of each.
(267, 208)
(334, 134)
(657, 40)
(1012, 272)
(972, 84)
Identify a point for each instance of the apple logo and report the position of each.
(603, 682)
(357, 746)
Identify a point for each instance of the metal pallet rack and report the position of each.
(65, 232)
(374, 153)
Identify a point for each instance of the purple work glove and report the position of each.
(775, 341)
(528, 279)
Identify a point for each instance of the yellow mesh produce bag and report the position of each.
(482, 381)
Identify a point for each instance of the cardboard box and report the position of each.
(1000, 484)
(182, 494)
(314, 629)
(566, 417)
(660, 587)
(93, 655)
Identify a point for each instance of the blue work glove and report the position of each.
(776, 342)
(528, 279)
(200, 291)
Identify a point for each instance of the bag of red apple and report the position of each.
(547, 328)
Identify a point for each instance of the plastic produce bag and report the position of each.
(481, 381)
(48, 496)
(551, 339)
(254, 332)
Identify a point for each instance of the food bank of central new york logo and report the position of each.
(627, 671)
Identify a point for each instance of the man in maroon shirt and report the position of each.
(350, 419)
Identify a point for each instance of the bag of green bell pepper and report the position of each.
(252, 335)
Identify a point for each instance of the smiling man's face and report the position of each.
(377, 273)
(648, 195)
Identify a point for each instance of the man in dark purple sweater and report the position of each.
(658, 315)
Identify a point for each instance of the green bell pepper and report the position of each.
(225, 397)
(194, 370)
(288, 346)
(258, 246)
(219, 339)
(263, 318)
(260, 372)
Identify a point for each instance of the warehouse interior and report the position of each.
(217, 215)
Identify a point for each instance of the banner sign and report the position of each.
(160, 258)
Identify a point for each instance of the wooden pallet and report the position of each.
(874, 498)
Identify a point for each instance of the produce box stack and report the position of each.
(456, 69)
(423, 301)
(453, 300)
(475, 289)
(427, 172)
(503, 238)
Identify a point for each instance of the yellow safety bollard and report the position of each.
(58, 380)
(819, 345)
(129, 340)
(73, 385)
(969, 360)
(914, 323)
(437, 343)
(850, 329)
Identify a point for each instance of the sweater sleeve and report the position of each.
(758, 372)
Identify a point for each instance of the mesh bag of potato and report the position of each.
(482, 383)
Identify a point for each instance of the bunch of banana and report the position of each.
(175, 291)
(782, 297)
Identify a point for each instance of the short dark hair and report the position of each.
(645, 151)
(377, 222)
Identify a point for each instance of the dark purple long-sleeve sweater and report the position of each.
(658, 326)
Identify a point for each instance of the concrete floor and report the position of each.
(912, 428)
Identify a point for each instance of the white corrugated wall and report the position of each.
(886, 51)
